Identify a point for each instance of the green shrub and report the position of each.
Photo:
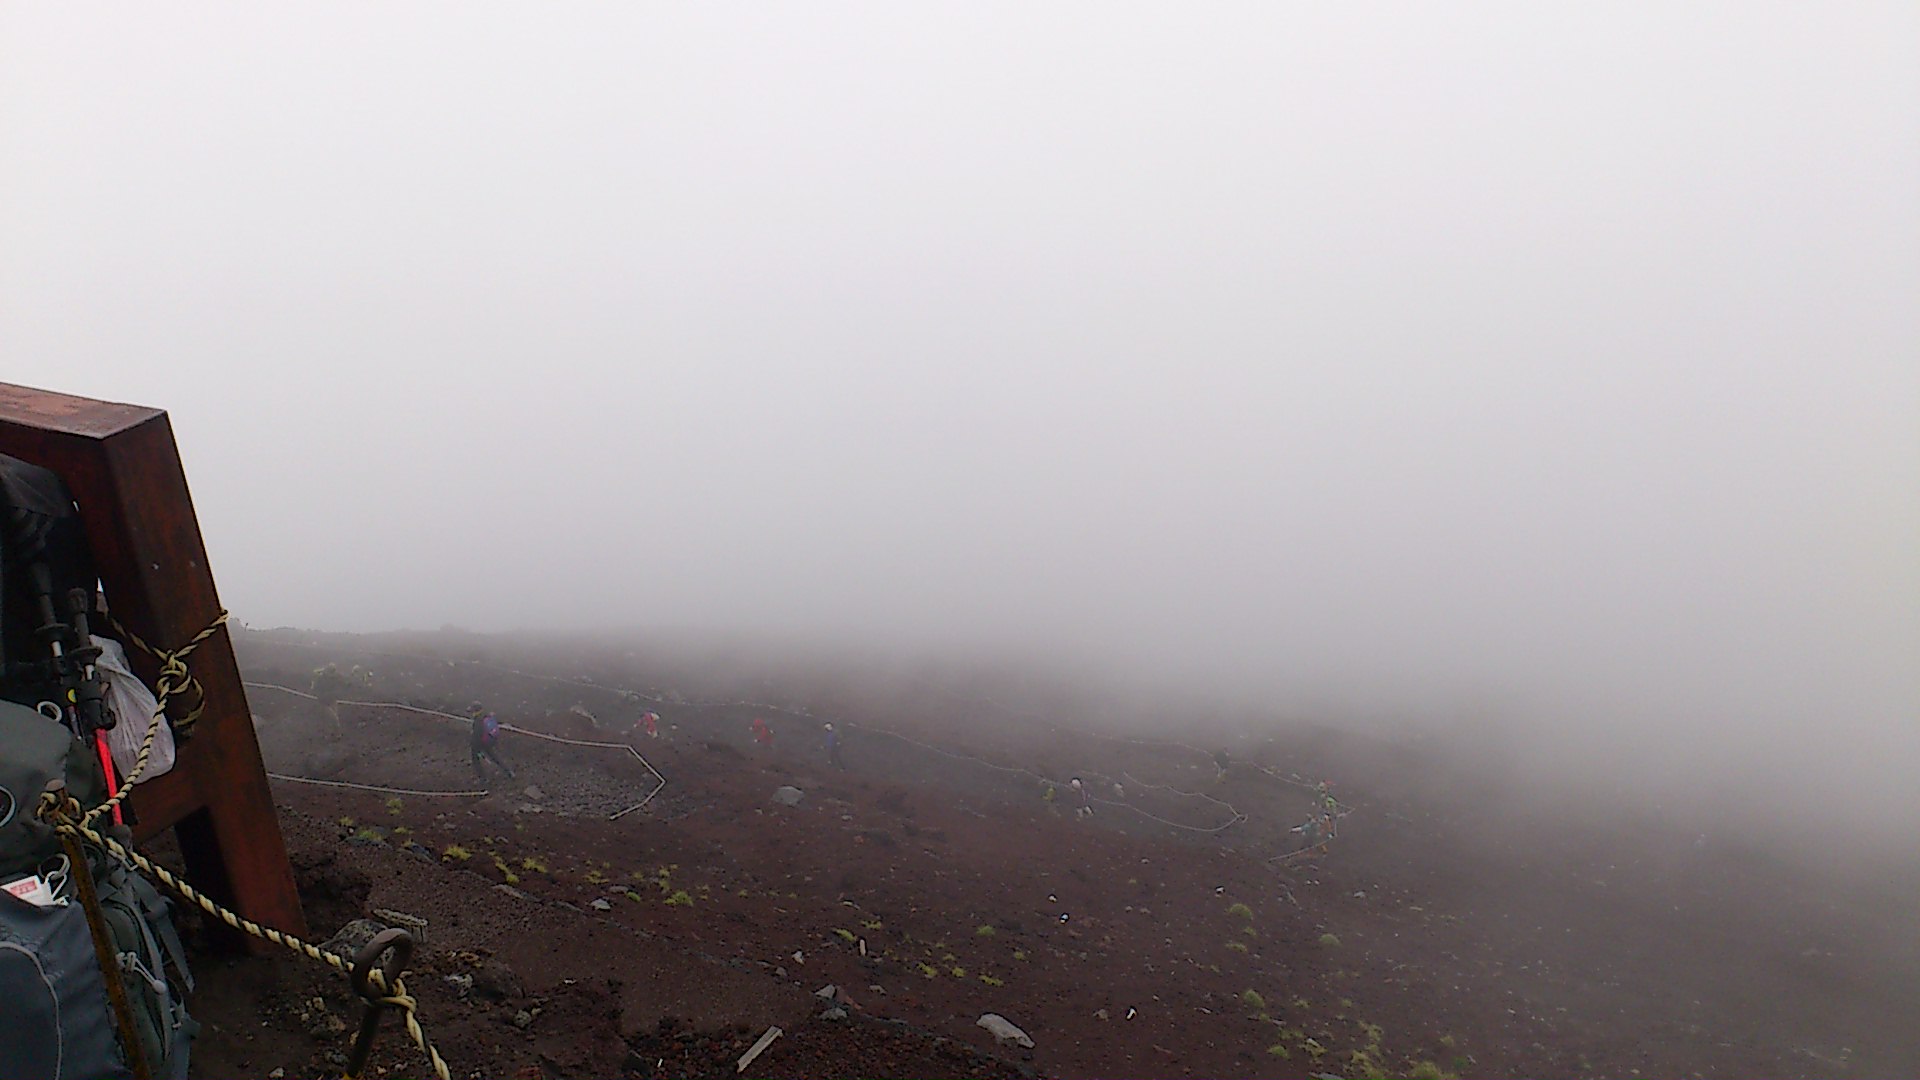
(1240, 910)
(983, 931)
(1329, 941)
(1252, 1000)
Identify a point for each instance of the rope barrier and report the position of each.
(66, 817)
(375, 787)
(1235, 815)
(617, 815)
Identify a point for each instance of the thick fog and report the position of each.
(1481, 363)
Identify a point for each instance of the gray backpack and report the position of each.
(59, 1024)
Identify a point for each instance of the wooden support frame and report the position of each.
(123, 469)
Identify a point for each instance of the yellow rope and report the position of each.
(66, 818)
(173, 678)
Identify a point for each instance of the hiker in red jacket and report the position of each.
(650, 723)
(762, 734)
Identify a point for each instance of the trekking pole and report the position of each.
(397, 946)
(103, 950)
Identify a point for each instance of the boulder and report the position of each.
(788, 795)
(1004, 1031)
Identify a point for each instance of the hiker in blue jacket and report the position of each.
(484, 741)
(833, 749)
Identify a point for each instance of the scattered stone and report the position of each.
(325, 1024)
(523, 1019)
(876, 988)
(534, 793)
(600, 904)
(276, 1074)
(496, 981)
(1004, 1031)
(780, 972)
(412, 924)
(353, 937)
(829, 992)
(513, 892)
(788, 795)
(759, 1045)
(462, 983)
(835, 1013)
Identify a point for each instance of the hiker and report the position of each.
(833, 749)
(1314, 834)
(1085, 809)
(1325, 792)
(762, 734)
(484, 740)
(650, 721)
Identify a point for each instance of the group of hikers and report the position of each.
(1316, 832)
(762, 733)
(483, 739)
(1321, 824)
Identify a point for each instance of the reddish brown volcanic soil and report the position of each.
(1444, 931)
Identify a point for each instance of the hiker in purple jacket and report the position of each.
(484, 740)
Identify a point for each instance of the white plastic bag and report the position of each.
(129, 699)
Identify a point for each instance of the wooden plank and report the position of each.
(123, 468)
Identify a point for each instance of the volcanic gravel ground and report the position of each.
(1444, 932)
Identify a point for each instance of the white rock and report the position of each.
(1003, 1030)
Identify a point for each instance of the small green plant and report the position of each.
(1237, 946)
(595, 877)
(346, 823)
(635, 897)
(455, 851)
(369, 835)
(1448, 1041)
(395, 805)
(533, 865)
(1313, 1048)
(679, 899)
(1427, 1070)
(870, 925)
(1250, 931)
(929, 970)
(991, 981)
(513, 878)
(1252, 1000)
(1364, 1063)
(983, 930)
(402, 830)
(1240, 910)
(957, 971)
(845, 935)
(1302, 1003)
(1329, 941)
(1019, 954)
(1280, 1051)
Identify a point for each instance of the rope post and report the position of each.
(396, 946)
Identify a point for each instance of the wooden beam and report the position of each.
(123, 468)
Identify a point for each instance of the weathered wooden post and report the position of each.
(123, 469)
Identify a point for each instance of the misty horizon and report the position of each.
(1494, 364)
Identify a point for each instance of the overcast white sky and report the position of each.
(1414, 355)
